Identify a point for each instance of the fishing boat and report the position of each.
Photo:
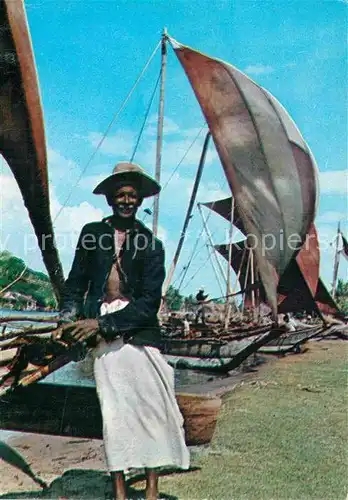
(269, 168)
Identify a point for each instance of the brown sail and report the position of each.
(299, 288)
(22, 137)
(263, 155)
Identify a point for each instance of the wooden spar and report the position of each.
(258, 301)
(160, 130)
(207, 232)
(228, 278)
(252, 278)
(336, 263)
(239, 272)
(188, 214)
(246, 278)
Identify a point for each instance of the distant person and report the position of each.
(290, 323)
(186, 327)
(201, 298)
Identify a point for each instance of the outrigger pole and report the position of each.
(160, 129)
(188, 215)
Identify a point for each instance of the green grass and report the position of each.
(281, 436)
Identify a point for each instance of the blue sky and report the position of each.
(88, 55)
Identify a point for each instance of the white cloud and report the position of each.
(120, 144)
(258, 69)
(17, 234)
(91, 181)
(169, 126)
(334, 182)
(60, 167)
(173, 152)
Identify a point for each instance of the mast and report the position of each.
(228, 277)
(160, 129)
(188, 214)
(336, 263)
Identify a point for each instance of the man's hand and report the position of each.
(78, 331)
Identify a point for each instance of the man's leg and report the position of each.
(118, 485)
(151, 484)
(203, 315)
(198, 314)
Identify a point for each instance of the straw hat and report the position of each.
(125, 172)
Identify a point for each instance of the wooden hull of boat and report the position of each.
(233, 352)
(214, 365)
(290, 342)
(297, 337)
(74, 411)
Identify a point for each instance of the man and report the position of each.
(290, 323)
(200, 297)
(186, 326)
(115, 285)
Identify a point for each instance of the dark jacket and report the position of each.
(142, 261)
(200, 297)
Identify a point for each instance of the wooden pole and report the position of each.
(239, 272)
(188, 215)
(246, 278)
(160, 130)
(336, 263)
(228, 279)
(252, 283)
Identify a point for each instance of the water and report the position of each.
(72, 374)
(13, 325)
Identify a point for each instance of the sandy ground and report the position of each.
(51, 457)
(75, 468)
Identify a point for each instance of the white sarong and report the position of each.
(142, 423)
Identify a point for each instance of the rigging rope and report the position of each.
(183, 158)
(146, 117)
(210, 253)
(194, 252)
(115, 117)
(195, 274)
(191, 258)
(180, 162)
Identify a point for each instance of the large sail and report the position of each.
(22, 137)
(264, 157)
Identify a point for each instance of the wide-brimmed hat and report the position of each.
(129, 172)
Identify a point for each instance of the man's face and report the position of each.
(124, 201)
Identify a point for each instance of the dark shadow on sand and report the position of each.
(82, 484)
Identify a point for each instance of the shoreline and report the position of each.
(75, 468)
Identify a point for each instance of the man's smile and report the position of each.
(125, 209)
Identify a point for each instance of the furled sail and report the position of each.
(264, 157)
(22, 137)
